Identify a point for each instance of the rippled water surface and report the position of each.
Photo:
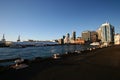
(32, 52)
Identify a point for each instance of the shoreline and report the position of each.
(97, 62)
(61, 55)
(12, 59)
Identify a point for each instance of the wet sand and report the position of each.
(100, 64)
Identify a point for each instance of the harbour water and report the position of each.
(43, 51)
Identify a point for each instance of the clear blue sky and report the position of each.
(51, 19)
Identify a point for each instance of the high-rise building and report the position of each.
(107, 33)
(90, 36)
(86, 35)
(67, 38)
(73, 35)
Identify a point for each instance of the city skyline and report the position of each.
(51, 19)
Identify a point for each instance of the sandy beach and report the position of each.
(100, 64)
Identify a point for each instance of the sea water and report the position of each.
(43, 51)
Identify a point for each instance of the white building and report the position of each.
(106, 32)
(67, 39)
(117, 39)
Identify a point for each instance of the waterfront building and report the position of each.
(117, 39)
(67, 39)
(99, 34)
(8, 43)
(93, 36)
(107, 33)
(61, 41)
(86, 35)
(90, 36)
(73, 35)
(78, 41)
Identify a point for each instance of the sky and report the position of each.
(51, 19)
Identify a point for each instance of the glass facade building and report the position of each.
(107, 33)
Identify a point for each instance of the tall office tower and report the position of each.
(73, 35)
(107, 33)
(86, 35)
